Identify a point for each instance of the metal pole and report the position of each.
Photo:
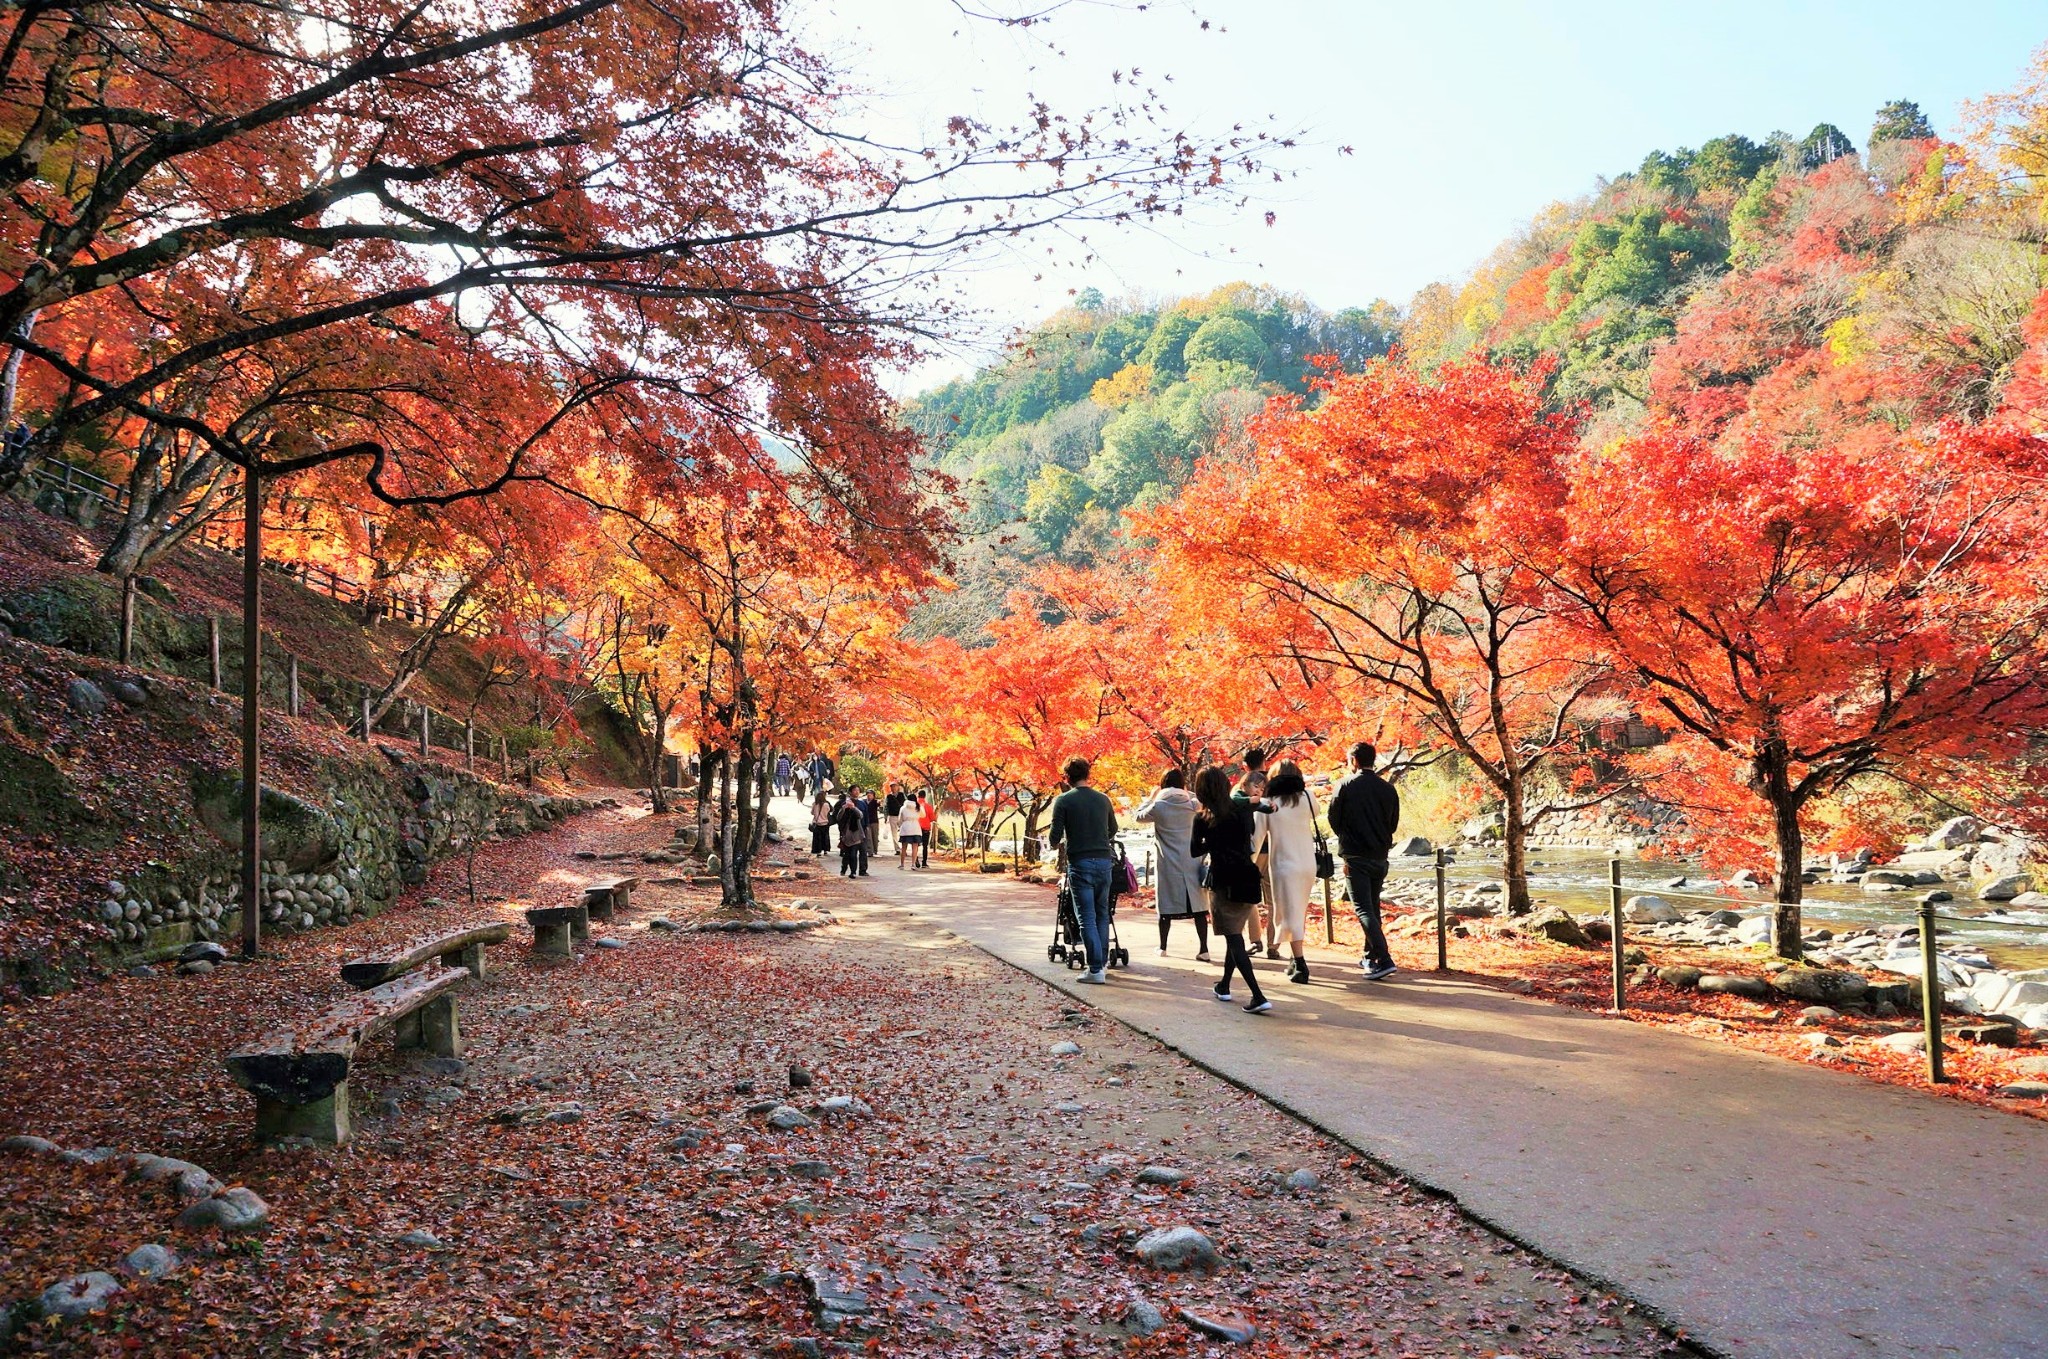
(252, 708)
(292, 701)
(213, 642)
(1930, 994)
(1443, 961)
(1614, 922)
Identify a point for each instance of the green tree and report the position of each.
(1162, 352)
(1900, 121)
(1728, 162)
(1225, 339)
(1824, 145)
(1055, 504)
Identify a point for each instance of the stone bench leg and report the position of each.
(620, 897)
(324, 1120)
(470, 956)
(440, 1031)
(598, 904)
(553, 940)
(579, 925)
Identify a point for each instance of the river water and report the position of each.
(1576, 879)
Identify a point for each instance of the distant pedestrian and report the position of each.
(909, 833)
(1365, 811)
(782, 771)
(816, 766)
(821, 823)
(1170, 811)
(892, 811)
(927, 828)
(853, 839)
(1223, 832)
(1251, 791)
(1084, 830)
(1287, 835)
(871, 821)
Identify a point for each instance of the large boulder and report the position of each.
(1748, 987)
(1414, 847)
(1820, 986)
(1556, 925)
(2005, 888)
(294, 830)
(1954, 833)
(1647, 910)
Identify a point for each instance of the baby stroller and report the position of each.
(1067, 945)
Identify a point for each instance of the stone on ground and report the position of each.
(1234, 1330)
(235, 1210)
(1819, 985)
(152, 1261)
(80, 1295)
(1749, 987)
(1164, 1175)
(1177, 1248)
(1143, 1317)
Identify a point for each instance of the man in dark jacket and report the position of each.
(1364, 812)
(1084, 828)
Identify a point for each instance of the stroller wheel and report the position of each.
(1053, 953)
(1074, 961)
(1123, 957)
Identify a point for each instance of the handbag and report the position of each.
(1123, 875)
(1326, 862)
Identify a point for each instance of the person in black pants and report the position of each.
(1223, 831)
(853, 838)
(1364, 814)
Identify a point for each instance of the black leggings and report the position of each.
(1201, 919)
(1235, 959)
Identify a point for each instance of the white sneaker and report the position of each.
(1093, 978)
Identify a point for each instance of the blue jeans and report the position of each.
(1090, 881)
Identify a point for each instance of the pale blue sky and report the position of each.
(1467, 116)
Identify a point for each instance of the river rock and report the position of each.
(234, 1210)
(1748, 987)
(2005, 887)
(1142, 1317)
(1913, 1040)
(1414, 847)
(787, 1118)
(1648, 910)
(1746, 880)
(87, 700)
(80, 1295)
(1954, 833)
(1164, 1175)
(1066, 1048)
(1684, 978)
(150, 1262)
(1303, 1180)
(2026, 1090)
(1177, 1248)
(1556, 925)
(25, 1145)
(1820, 986)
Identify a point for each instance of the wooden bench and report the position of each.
(299, 1074)
(557, 928)
(462, 946)
(603, 899)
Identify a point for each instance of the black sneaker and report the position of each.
(1380, 973)
(1257, 1006)
(1299, 972)
(1220, 994)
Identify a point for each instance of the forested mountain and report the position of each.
(1108, 406)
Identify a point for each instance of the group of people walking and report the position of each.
(862, 821)
(1243, 857)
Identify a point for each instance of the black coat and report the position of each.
(1364, 813)
(1228, 843)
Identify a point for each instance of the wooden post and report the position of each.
(1614, 921)
(128, 619)
(366, 718)
(252, 707)
(292, 687)
(213, 646)
(469, 743)
(1443, 963)
(1930, 992)
(426, 729)
(1329, 916)
(505, 756)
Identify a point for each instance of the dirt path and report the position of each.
(1768, 1207)
(592, 1182)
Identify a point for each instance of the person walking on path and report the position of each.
(821, 823)
(871, 819)
(909, 834)
(892, 812)
(782, 768)
(927, 827)
(1365, 811)
(853, 839)
(1170, 811)
(1223, 832)
(1251, 792)
(1287, 836)
(1083, 831)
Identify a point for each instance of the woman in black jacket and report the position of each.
(1223, 831)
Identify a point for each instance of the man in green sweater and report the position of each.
(1083, 829)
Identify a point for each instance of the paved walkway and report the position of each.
(1762, 1206)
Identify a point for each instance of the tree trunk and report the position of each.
(1515, 852)
(736, 872)
(764, 789)
(164, 509)
(657, 757)
(413, 661)
(14, 453)
(1791, 870)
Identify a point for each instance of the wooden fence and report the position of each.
(408, 599)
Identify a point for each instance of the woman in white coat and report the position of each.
(1170, 811)
(1286, 833)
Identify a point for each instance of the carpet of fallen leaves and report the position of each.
(982, 1209)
